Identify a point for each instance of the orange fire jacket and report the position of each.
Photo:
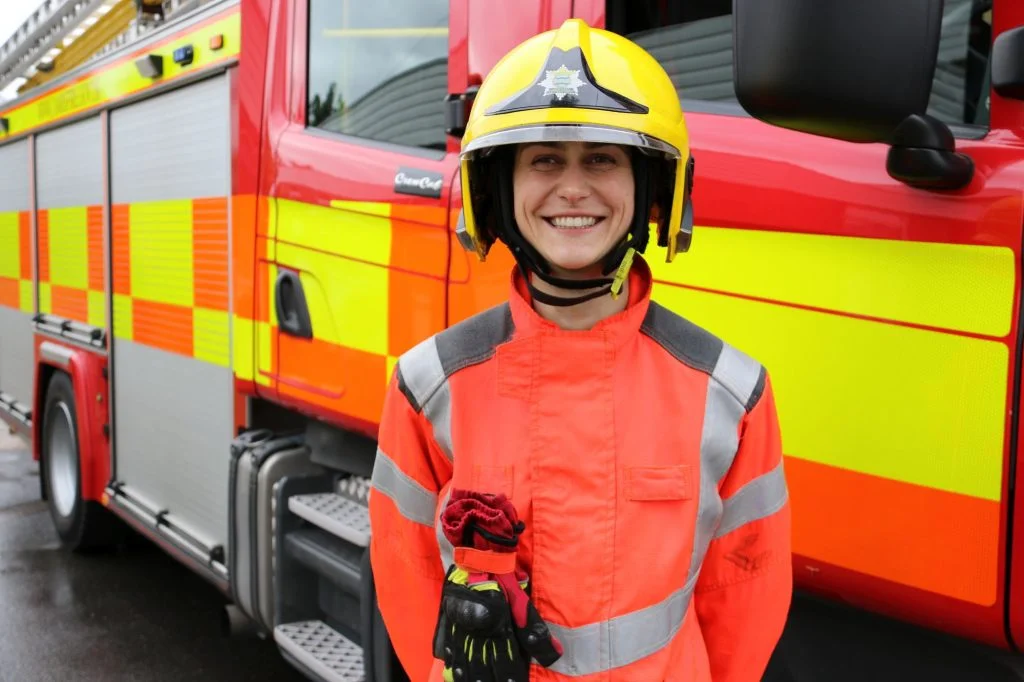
(644, 457)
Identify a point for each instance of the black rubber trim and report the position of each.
(758, 391)
(406, 391)
(290, 303)
(1011, 485)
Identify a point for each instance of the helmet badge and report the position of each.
(562, 82)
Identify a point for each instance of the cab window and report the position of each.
(693, 41)
(379, 70)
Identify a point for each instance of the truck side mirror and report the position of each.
(1008, 63)
(847, 70)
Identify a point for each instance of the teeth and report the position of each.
(573, 221)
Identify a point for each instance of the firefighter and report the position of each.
(579, 483)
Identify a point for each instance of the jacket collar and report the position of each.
(621, 326)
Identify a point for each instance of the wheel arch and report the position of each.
(87, 371)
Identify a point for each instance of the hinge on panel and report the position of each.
(456, 111)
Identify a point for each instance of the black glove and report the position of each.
(475, 636)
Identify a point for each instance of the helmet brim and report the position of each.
(569, 133)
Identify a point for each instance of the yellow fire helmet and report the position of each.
(577, 84)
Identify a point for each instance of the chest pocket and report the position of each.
(660, 483)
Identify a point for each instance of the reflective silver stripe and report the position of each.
(624, 639)
(425, 378)
(733, 381)
(445, 547)
(739, 373)
(758, 499)
(438, 411)
(414, 502)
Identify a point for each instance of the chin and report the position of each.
(576, 265)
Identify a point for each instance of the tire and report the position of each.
(81, 525)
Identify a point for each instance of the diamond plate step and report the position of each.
(336, 514)
(322, 649)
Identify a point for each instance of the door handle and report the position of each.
(290, 301)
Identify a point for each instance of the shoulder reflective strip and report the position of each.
(758, 499)
(733, 383)
(742, 375)
(414, 502)
(421, 372)
(687, 342)
(438, 412)
(423, 381)
(424, 370)
(622, 640)
(445, 547)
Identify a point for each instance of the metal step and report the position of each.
(336, 514)
(322, 650)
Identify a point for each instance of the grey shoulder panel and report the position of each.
(687, 342)
(742, 376)
(425, 368)
(474, 339)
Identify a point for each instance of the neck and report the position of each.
(581, 316)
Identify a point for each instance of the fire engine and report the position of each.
(222, 222)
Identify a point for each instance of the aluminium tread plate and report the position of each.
(335, 514)
(323, 650)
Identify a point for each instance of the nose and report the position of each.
(573, 185)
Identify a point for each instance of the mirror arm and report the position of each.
(923, 154)
(929, 169)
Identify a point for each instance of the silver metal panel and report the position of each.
(69, 165)
(174, 415)
(16, 354)
(172, 146)
(14, 192)
(173, 434)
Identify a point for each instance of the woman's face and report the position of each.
(573, 202)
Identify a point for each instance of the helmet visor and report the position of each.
(570, 133)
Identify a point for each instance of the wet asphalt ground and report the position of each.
(135, 614)
(132, 614)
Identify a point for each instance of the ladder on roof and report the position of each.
(44, 33)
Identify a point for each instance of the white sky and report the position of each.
(12, 14)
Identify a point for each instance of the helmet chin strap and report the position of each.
(618, 260)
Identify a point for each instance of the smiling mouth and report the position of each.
(573, 222)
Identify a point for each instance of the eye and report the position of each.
(603, 160)
(545, 162)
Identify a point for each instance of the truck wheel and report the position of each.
(80, 524)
